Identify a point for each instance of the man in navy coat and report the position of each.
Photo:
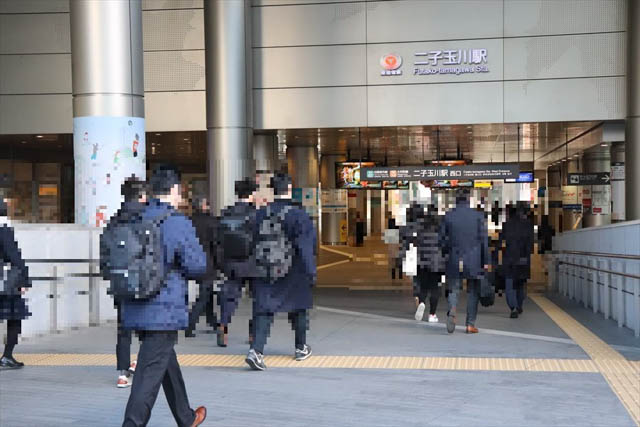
(464, 238)
(158, 320)
(292, 293)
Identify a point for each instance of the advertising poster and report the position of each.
(348, 175)
(601, 199)
(572, 197)
(106, 150)
(334, 201)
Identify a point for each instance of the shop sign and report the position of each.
(482, 172)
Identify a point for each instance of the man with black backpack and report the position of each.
(286, 266)
(148, 262)
(236, 252)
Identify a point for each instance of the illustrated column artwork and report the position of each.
(106, 151)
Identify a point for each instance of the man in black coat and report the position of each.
(516, 242)
(291, 293)
(464, 239)
(13, 307)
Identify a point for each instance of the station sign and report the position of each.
(438, 61)
(599, 178)
(481, 172)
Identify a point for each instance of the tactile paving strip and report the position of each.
(623, 376)
(337, 362)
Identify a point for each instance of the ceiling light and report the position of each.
(564, 160)
(186, 139)
(604, 144)
(23, 142)
(340, 130)
(38, 136)
(158, 134)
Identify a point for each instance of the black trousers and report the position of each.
(13, 332)
(204, 303)
(123, 345)
(158, 365)
(262, 325)
(426, 286)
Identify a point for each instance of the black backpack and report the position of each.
(487, 291)
(274, 250)
(235, 243)
(132, 257)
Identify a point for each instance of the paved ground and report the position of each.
(344, 323)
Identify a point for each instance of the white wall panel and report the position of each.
(587, 55)
(419, 20)
(35, 33)
(173, 29)
(172, 4)
(565, 100)
(35, 114)
(542, 17)
(175, 111)
(174, 70)
(430, 104)
(32, 74)
(294, 2)
(309, 66)
(316, 24)
(34, 6)
(309, 107)
(407, 53)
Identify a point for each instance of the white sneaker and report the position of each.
(132, 366)
(124, 381)
(433, 318)
(420, 312)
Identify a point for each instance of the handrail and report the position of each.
(602, 255)
(631, 276)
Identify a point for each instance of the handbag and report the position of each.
(9, 279)
(410, 261)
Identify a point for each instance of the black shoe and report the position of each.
(514, 314)
(10, 363)
(189, 333)
(302, 354)
(520, 310)
(451, 322)
(255, 360)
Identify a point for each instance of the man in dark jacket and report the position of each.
(134, 193)
(464, 239)
(292, 293)
(516, 242)
(158, 320)
(13, 308)
(205, 225)
(422, 230)
(238, 267)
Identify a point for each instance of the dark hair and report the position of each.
(280, 183)
(245, 188)
(132, 189)
(163, 178)
(462, 195)
(4, 209)
(196, 202)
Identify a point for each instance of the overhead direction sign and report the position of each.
(482, 172)
(599, 178)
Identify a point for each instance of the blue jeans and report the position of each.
(473, 296)
(516, 291)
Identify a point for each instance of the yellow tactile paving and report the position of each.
(339, 362)
(622, 375)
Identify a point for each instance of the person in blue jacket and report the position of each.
(292, 293)
(158, 320)
(464, 239)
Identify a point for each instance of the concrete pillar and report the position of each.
(617, 182)
(108, 104)
(571, 219)
(554, 195)
(302, 161)
(265, 152)
(228, 74)
(632, 132)
(333, 219)
(597, 159)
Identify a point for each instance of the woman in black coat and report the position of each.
(13, 307)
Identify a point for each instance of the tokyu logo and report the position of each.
(390, 65)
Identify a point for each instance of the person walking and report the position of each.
(516, 243)
(287, 287)
(134, 194)
(236, 252)
(422, 230)
(15, 280)
(464, 239)
(159, 318)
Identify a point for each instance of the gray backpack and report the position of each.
(274, 250)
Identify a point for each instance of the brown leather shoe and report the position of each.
(472, 329)
(201, 414)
